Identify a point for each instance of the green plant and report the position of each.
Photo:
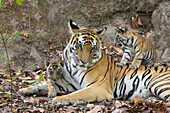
(0, 3)
(41, 78)
(20, 1)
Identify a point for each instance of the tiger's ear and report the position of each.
(73, 27)
(101, 32)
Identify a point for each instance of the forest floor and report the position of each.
(40, 103)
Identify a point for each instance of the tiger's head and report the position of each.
(123, 37)
(85, 44)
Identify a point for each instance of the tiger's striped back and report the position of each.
(142, 82)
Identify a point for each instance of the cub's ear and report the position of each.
(73, 26)
(121, 29)
(101, 32)
(47, 63)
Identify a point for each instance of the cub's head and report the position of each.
(85, 44)
(123, 37)
(54, 68)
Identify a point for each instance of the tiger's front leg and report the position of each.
(51, 89)
(126, 57)
(137, 61)
(37, 88)
(89, 94)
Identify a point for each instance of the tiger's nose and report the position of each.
(84, 61)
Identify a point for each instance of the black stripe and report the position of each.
(136, 85)
(161, 70)
(70, 49)
(166, 69)
(146, 56)
(147, 80)
(138, 51)
(127, 58)
(92, 83)
(158, 81)
(161, 76)
(111, 80)
(129, 94)
(163, 90)
(84, 76)
(139, 59)
(134, 73)
(73, 86)
(132, 40)
(158, 87)
(123, 75)
(167, 96)
(135, 47)
(75, 73)
(122, 80)
(121, 88)
(156, 68)
(146, 73)
(114, 93)
(121, 67)
(60, 87)
(124, 89)
(127, 53)
(107, 68)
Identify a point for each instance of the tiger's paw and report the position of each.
(59, 100)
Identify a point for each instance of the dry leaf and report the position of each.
(136, 100)
(139, 22)
(4, 95)
(90, 106)
(25, 78)
(118, 104)
(3, 104)
(119, 51)
(96, 109)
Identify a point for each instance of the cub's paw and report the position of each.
(121, 64)
(134, 66)
(59, 100)
(51, 94)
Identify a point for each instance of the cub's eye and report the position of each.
(79, 44)
(124, 39)
(94, 54)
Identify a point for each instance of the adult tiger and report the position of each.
(99, 76)
(96, 76)
(144, 51)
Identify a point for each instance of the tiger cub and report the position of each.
(54, 80)
(54, 71)
(144, 51)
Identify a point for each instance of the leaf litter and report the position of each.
(40, 103)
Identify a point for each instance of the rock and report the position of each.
(47, 26)
(160, 37)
